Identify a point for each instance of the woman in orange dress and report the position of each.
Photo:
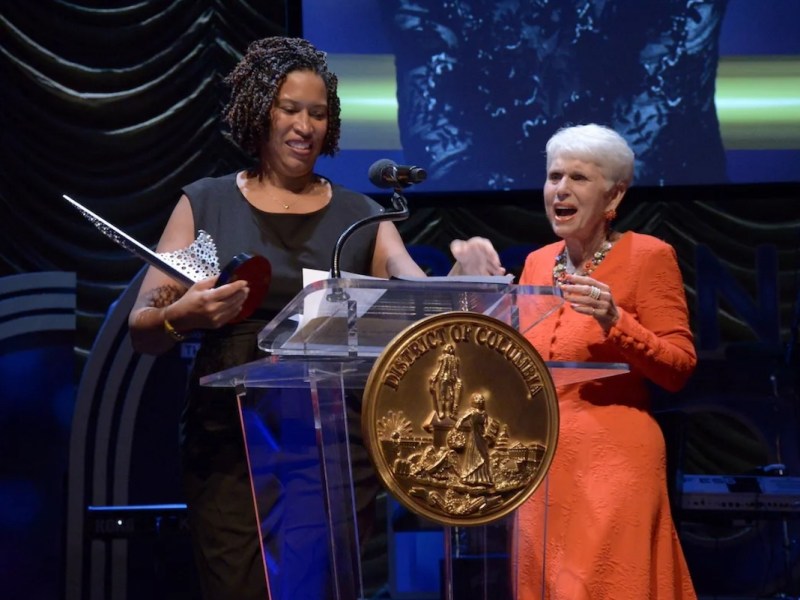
(607, 532)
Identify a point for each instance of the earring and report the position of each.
(610, 215)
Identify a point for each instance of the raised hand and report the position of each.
(475, 256)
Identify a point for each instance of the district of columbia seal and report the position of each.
(460, 418)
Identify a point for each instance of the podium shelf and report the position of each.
(296, 372)
(360, 317)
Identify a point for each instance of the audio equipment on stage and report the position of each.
(136, 520)
(741, 493)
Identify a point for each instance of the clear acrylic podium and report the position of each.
(299, 410)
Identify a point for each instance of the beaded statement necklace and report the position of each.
(560, 268)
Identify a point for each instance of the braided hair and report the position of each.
(255, 82)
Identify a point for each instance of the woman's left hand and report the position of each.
(475, 256)
(591, 297)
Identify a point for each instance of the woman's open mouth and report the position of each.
(564, 212)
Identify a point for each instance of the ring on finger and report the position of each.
(594, 292)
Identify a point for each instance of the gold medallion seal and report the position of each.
(460, 418)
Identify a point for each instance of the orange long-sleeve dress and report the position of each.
(609, 533)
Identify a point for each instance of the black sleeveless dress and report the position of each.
(216, 480)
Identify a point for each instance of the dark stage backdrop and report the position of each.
(116, 104)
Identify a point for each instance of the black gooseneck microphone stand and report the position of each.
(383, 173)
(399, 212)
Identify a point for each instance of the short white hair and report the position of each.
(594, 143)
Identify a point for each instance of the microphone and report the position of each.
(384, 173)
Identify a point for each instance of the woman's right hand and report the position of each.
(163, 314)
(204, 306)
(164, 310)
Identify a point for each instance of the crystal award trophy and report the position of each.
(196, 262)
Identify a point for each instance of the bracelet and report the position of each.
(172, 332)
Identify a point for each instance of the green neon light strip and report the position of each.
(757, 99)
(758, 102)
(367, 90)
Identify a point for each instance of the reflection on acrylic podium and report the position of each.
(313, 484)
